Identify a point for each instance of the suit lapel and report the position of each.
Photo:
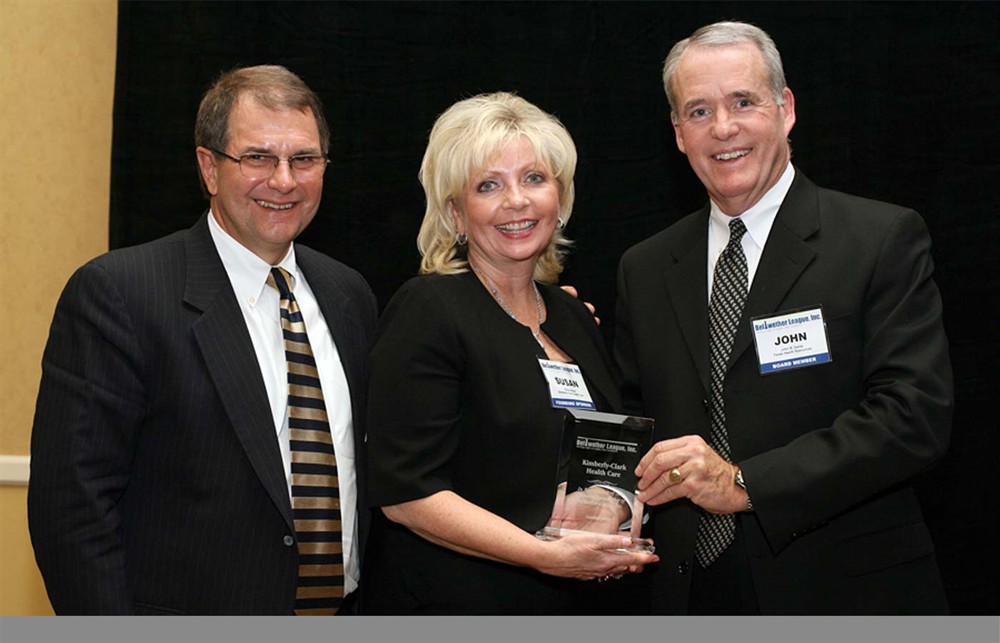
(785, 256)
(687, 290)
(225, 343)
(345, 327)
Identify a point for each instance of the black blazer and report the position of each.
(827, 451)
(458, 402)
(156, 477)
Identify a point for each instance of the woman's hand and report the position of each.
(449, 520)
(591, 556)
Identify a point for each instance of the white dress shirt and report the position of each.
(758, 220)
(261, 310)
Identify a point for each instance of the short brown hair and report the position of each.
(271, 86)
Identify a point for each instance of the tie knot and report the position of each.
(280, 279)
(736, 230)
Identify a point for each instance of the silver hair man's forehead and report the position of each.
(721, 34)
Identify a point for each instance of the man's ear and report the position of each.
(789, 110)
(208, 168)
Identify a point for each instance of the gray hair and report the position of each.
(721, 34)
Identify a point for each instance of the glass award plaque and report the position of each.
(596, 481)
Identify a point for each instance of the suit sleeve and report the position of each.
(90, 406)
(902, 425)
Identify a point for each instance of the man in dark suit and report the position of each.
(160, 469)
(780, 477)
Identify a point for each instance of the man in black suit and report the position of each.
(160, 450)
(781, 481)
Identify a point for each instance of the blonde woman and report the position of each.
(463, 436)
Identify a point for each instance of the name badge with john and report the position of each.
(566, 385)
(791, 339)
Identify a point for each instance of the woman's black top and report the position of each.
(458, 402)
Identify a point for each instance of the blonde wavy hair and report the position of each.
(464, 139)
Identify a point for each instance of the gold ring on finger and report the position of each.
(675, 476)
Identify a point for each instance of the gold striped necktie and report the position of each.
(315, 497)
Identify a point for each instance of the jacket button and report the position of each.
(683, 568)
(704, 404)
(288, 540)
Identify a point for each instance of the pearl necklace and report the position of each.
(503, 304)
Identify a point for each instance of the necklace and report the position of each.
(503, 304)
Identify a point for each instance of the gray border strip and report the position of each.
(555, 629)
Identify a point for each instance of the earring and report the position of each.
(560, 224)
(461, 239)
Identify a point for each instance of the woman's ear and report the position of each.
(456, 217)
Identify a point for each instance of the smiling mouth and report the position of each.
(516, 226)
(730, 156)
(273, 206)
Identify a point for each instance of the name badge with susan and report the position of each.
(566, 385)
(791, 339)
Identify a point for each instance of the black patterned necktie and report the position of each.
(729, 296)
(315, 491)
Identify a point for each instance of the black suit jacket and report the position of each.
(827, 451)
(156, 477)
(458, 402)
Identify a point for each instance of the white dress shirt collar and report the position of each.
(247, 272)
(758, 220)
(760, 216)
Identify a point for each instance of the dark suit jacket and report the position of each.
(827, 451)
(156, 478)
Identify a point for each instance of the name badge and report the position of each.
(793, 339)
(566, 385)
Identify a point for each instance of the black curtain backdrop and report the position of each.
(895, 101)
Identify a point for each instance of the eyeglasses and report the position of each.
(255, 165)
